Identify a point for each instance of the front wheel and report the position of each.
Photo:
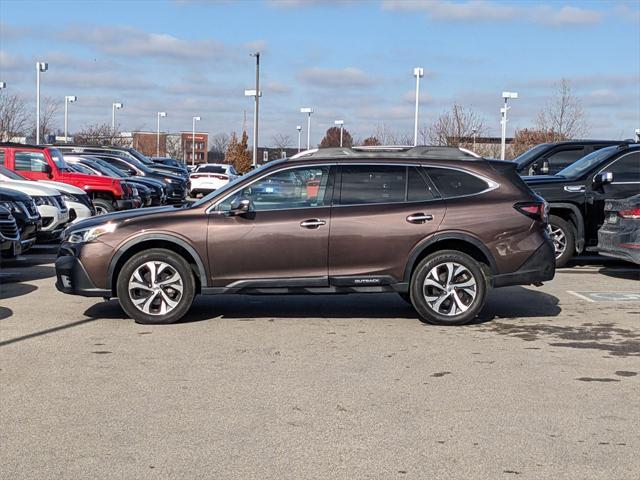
(156, 287)
(103, 206)
(448, 288)
(563, 237)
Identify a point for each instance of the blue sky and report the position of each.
(348, 59)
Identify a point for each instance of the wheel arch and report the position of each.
(450, 241)
(573, 215)
(167, 241)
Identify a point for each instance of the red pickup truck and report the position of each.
(47, 163)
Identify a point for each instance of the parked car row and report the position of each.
(591, 198)
(43, 189)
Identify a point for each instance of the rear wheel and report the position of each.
(103, 206)
(563, 237)
(156, 287)
(448, 288)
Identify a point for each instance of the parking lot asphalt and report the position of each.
(544, 385)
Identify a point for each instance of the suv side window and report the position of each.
(564, 158)
(30, 161)
(626, 168)
(455, 183)
(366, 184)
(303, 187)
(418, 190)
(2, 156)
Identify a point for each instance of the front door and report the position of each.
(626, 183)
(381, 212)
(31, 164)
(283, 240)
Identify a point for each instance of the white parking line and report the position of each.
(581, 296)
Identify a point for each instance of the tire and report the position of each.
(448, 268)
(155, 302)
(563, 236)
(103, 206)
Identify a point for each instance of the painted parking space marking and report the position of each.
(607, 296)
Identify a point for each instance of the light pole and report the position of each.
(114, 106)
(309, 111)
(474, 132)
(3, 85)
(67, 100)
(40, 67)
(299, 128)
(256, 110)
(340, 123)
(193, 141)
(503, 144)
(637, 134)
(418, 72)
(160, 114)
(252, 93)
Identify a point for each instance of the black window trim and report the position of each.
(614, 161)
(491, 184)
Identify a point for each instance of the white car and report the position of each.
(77, 200)
(51, 207)
(208, 177)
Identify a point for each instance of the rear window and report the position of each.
(30, 161)
(211, 169)
(365, 184)
(455, 183)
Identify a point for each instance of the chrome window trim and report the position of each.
(492, 185)
(611, 163)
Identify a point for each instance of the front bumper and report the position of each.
(72, 278)
(10, 248)
(177, 193)
(540, 267)
(79, 211)
(127, 204)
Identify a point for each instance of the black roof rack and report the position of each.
(393, 151)
(22, 145)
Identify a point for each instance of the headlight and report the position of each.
(170, 180)
(89, 234)
(38, 200)
(67, 197)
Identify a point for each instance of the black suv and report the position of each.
(550, 158)
(577, 193)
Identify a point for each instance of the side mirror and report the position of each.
(46, 168)
(602, 179)
(240, 206)
(545, 167)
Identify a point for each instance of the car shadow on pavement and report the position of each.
(511, 302)
(632, 272)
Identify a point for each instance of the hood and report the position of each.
(30, 188)
(540, 179)
(123, 216)
(8, 195)
(63, 187)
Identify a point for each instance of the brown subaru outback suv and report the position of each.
(437, 225)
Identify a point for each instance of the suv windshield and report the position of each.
(585, 164)
(58, 159)
(11, 174)
(523, 158)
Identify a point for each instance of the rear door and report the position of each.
(32, 164)
(380, 213)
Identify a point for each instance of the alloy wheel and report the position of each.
(450, 289)
(155, 288)
(101, 210)
(559, 239)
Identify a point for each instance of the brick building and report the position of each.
(201, 146)
(146, 143)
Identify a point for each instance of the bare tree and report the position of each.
(219, 144)
(563, 115)
(174, 147)
(14, 120)
(332, 138)
(455, 127)
(386, 136)
(371, 141)
(48, 113)
(100, 134)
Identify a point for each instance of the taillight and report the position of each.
(535, 210)
(221, 177)
(633, 213)
(195, 175)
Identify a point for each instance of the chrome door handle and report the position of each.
(575, 188)
(312, 223)
(419, 218)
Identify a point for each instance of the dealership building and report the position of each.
(177, 145)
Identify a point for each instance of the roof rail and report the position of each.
(397, 151)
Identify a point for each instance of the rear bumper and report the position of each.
(540, 267)
(72, 278)
(623, 243)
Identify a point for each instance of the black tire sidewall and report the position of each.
(105, 204)
(162, 255)
(417, 281)
(569, 235)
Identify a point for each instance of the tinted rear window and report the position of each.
(454, 183)
(365, 184)
(417, 188)
(211, 169)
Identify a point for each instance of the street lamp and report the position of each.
(340, 123)
(67, 100)
(252, 93)
(3, 85)
(193, 140)
(256, 109)
(474, 133)
(160, 114)
(503, 121)
(309, 111)
(114, 106)
(40, 67)
(299, 128)
(418, 72)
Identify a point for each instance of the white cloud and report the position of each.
(331, 78)
(486, 10)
